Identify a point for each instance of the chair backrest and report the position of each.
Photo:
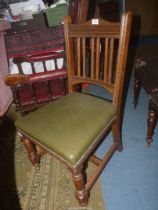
(42, 62)
(97, 52)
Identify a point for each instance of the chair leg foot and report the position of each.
(82, 200)
(149, 141)
(37, 166)
(151, 125)
(120, 148)
(81, 194)
(31, 150)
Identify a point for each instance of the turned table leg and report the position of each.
(151, 124)
(137, 87)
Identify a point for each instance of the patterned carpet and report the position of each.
(50, 188)
(25, 188)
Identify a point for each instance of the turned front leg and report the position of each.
(81, 193)
(31, 150)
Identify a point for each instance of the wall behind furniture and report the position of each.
(147, 11)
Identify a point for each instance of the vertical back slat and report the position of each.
(20, 68)
(33, 68)
(106, 63)
(98, 58)
(92, 57)
(55, 63)
(44, 65)
(78, 56)
(111, 53)
(84, 56)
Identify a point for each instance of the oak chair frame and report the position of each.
(108, 33)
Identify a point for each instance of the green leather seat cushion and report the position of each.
(69, 125)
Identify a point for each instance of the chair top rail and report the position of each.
(95, 27)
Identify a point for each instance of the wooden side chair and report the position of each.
(72, 127)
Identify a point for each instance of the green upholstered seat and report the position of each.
(69, 125)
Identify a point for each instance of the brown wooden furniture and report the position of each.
(152, 115)
(147, 77)
(153, 111)
(38, 88)
(72, 127)
(33, 91)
